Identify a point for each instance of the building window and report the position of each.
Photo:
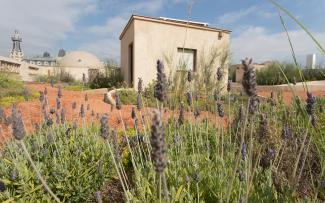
(39, 63)
(186, 59)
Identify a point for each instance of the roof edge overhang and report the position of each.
(175, 23)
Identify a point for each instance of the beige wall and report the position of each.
(154, 41)
(128, 39)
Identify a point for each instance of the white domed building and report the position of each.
(77, 63)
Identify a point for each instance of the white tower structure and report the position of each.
(311, 61)
(16, 52)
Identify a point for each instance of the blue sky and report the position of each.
(94, 25)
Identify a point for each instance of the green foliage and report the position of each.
(114, 80)
(129, 96)
(68, 162)
(9, 100)
(58, 76)
(7, 82)
(272, 74)
(76, 87)
(11, 90)
(204, 160)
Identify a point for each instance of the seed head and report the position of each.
(58, 103)
(104, 128)
(140, 88)
(18, 129)
(221, 111)
(37, 127)
(196, 97)
(181, 115)
(86, 97)
(118, 102)
(41, 96)
(50, 137)
(241, 114)
(241, 175)
(219, 74)
(116, 145)
(52, 82)
(136, 123)
(26, 94)
(310, 103)
(52, 111)
(74, 105)
(45, 90)
(88, 107)
(13, 175)
(139, 102)
(48, 120)
(60, 92)
(286, 132)
(196, 112)
(189, 76)
(229, 85)
(249, 77)
(57, 116)
(157, 141)
(196, 177)
(99, 197)
(189, 98)
(62, 116)
(3, 116)
(244, 151)
(2, 186)
(270, 153)
(253, 104)
(133, 115)
(160, 91)
(263, 130)
(216, 95)
(82, 111)
(106, 99)
(83, 77)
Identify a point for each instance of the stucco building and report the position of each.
(180, 44)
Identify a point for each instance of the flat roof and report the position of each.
(170, 21)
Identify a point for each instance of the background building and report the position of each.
(75, 63)
(45, 60)
(180, 44)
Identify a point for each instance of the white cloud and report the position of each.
(233, 16)
(258, 43)
(107, 43)
(42, 22)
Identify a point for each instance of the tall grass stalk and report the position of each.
(278, 6)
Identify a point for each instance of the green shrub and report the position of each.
(75, 166)
(7, 82)
(107, 81)
(272, 74)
